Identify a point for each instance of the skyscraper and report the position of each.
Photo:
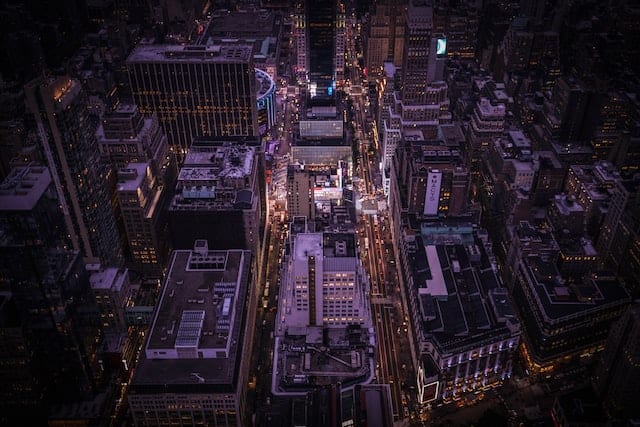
(320, 44)
(385, 35)
(141, 197)
(194, 368)
(423, 57)
(196, 90)
(68, 141)
(321, 17)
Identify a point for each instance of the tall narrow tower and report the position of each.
(320, 31)
(69, 144)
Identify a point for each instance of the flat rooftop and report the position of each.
(559, 299)
(219, 162)
(305, 363)
(225, 53)
(24, 186)
(130, 178)
(197, 325)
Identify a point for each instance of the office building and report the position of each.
(590, 185)
(300, 36)
(564, 317)
(625, 197)
(327, 282)
(323, 302)
(325, 23)
(41, 285)
(511, 160)
(194, 368)
(618, 372)
(251, 24)
(125, 136)
(422, 103)
(111, 290)
(142, 198)
(68, 141)
(320, 33)
(487, 123)
(384, 39)
(432, 179)
(464, 329)
(218, 197)
(196, 90)
(549, 178)
(528, 239)
(571, 114)
(459, 23)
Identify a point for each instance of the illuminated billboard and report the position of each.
(441, 47)
(432, 193)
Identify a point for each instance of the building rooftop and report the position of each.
(461, 297)
(566, 205)
(242, 23)
(226, 53)
(198, 323)
(489, 111)
(24, 186)
(108, 279)
(559, 299)
(131, 177)
(224, 161)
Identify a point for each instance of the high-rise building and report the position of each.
(487, 123)
(125, 136)
(320, 32)
(194, 369)
(459, 23)
(549, 178)
(625, 196)
(19, 389)
(424, 54)
(464, 329)
(328, 282)
(141, 197)
(111, 289)
(571, 115)
(218, 197)
(323, 302)
(300, 36)
(196, 91)
(617, 376)
(432, 176)
(422, 101)
(321, 44)
(564, 317)
(71, 151)
(385, 36)
(42, 284)
(591, 186)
